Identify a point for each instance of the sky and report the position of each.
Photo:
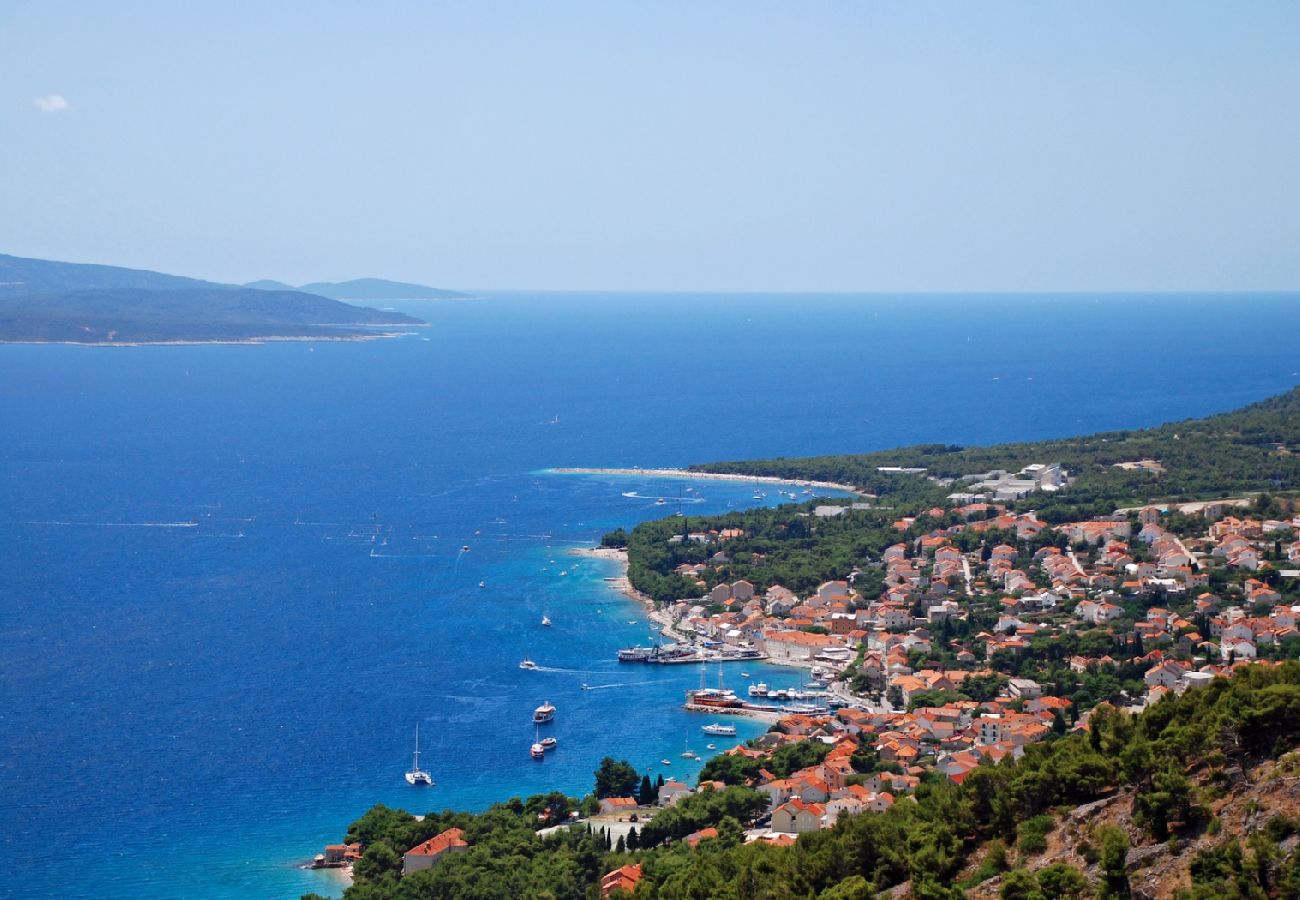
(694, 146)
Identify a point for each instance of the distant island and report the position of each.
(363, 289)
(45, 301)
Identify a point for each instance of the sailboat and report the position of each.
(418, 776)
(688, 753)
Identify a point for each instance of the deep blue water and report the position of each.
(191, 711)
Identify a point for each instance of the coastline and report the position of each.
(706, 476)
(664, 620)
(254, 341)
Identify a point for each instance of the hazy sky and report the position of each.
(653, 145)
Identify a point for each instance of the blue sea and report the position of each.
(234, 578)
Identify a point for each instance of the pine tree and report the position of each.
(645, 795)
(619, 847)
(633, 840)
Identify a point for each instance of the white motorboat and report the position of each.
(722, 730)
(544, 713)
(527, 663)
(546, 621)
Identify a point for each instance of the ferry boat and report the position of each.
(721, 730)
(548, 743)
(418, 776)
(544, 713)
(635, 654)
(527, 663)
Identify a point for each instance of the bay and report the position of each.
(233, 577)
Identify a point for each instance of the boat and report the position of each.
(418, 776)
(710, 746)
(666, 762)
(537, 751)
(758, 690)
(527, 663)
(548, 743)
(660, 502)
(562, 574)
(482, 584)
(585, 686)
(690, 754)
(634, 654)
(744, 674)
(721, 730)
(464, 548)
(546, 620)
(544, 713)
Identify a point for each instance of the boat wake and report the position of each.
(118, 524)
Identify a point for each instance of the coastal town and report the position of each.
(980, 631)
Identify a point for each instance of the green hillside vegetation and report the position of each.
(1229, 455)
(1251, 449)
(1168, 764)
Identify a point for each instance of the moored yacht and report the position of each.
(544, 713)
(715, 728)
(418, 776)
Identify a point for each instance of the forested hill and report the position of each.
(46, 301)
(23, 277)
(1250, 449)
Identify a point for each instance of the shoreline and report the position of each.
(665, 621)
(705, 476)
(253, 341)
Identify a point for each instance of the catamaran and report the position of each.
(417, 775)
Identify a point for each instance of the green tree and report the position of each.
(1114, 861)
(1020, 884)
(1063, 881)
(615, 779)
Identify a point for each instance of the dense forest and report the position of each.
(1250, 449)
(1168, 765)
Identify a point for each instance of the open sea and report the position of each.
(234, 578)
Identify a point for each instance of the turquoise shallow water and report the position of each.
(205, 672)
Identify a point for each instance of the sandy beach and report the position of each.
(710, 476)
